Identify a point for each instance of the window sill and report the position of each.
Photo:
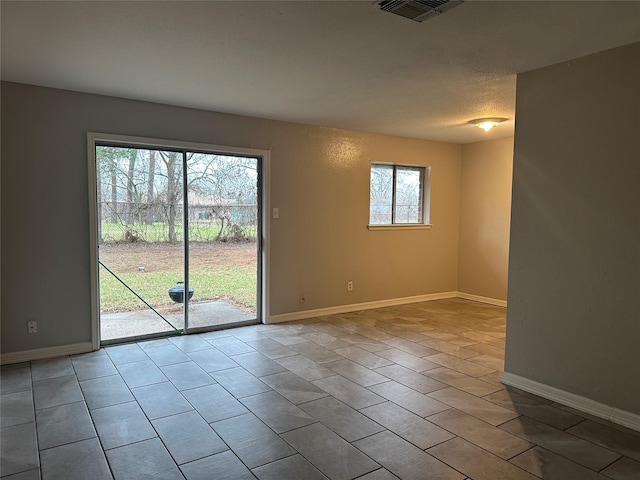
(401, 226)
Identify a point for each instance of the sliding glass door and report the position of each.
(178, 240)
(223, 200)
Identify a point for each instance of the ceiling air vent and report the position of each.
(418, 10)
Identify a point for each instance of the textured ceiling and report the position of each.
(337, 64)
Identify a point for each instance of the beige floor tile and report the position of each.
(188, 437)
(487, 349)
(625, 444)
(400, 330)
(139, 374)
(493, 377)
(532, 408)
(239, 382)
(303, 367)
(480, 337)
(403, 459)
(320, 352)
(406, 359)
(462, 382)
(410, 347)
(258, 364)
(481, 434)
(63, 424)
(363, 357)
(277, 412)
(342, 419)
(489, 361)
(16, 408)
(407, 425)
(294, 388)
(271, 348)
(370, 332)
(251, 440)
(225, 464)
(419, 382)
(463, 366)
(475, 406)
(449, 348)
(462, 342)
(93, 365)
(363, 342)
(214, 403)
(548, 465)
(409, 399)
(430, 372)
(17, 379)
(51, 367)
(623, 469)
(355, 372)
(291, 467)
(77, 461)
(329, 453)
(328, 328)
(380, 474)
(55, 391)
(119, 425)
(593, 418)
(348, 392)
(446, 336)
(564, 444)
(146, 459)
(477, 463)
(18, 448)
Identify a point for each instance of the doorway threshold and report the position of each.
(122, 327)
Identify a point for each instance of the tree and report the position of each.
(99, 203)
(146, 186)
(173, 166)
(226, 184)
(133, 155)
(381, 193)
(150, 186)
(117, 174)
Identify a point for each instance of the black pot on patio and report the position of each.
(177, 292)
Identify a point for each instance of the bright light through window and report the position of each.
(397, 195)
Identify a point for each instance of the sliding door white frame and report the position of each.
(94, 138)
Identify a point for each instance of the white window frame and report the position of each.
(426, 199)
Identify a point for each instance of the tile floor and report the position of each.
(410, 392)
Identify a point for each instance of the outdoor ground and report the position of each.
(217, 271)
(127, 257)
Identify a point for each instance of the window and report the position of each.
(399, 195)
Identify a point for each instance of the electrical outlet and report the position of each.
(32, 326)
(302, 297)
(350, 286)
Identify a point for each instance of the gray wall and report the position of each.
(573, 319)
(319, 181)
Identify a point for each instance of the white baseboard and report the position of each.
(319, 312)
(615, 415)
(40, 353)
(478, 298)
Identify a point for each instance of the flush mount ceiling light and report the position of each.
(487, 123)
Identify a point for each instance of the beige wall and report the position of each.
(485, 211)
(319, 181)
(573, 321)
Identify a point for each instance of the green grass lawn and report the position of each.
(200, 230)
(237, 283)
